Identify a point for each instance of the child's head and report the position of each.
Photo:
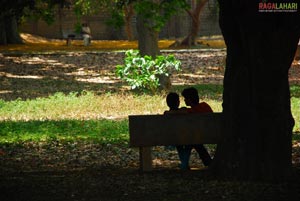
(191, 96)
(173, 100)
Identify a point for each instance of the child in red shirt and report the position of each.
(191, 98)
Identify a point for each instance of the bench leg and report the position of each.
(69, 41)
(145, 159)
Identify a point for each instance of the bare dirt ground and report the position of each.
(39, 75)
(88, 171)
(28, 75)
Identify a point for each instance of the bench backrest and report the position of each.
(156, 130)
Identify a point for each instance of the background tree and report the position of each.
(121, 12)
(13, 10)
(129, 12)
(194, 12)
(256, 99)
(90, 7)
(151, 16)
(193, 8)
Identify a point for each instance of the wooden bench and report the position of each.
(161, 130)
(70, 35)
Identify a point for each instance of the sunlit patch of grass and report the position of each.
(90, 116)
(86, 105)
(295, 102)
(296, 136)
(78, 116)
(295, 91)
(89, 105)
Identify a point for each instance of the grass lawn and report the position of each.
(84, 116)
(84, 113)
(101, 118)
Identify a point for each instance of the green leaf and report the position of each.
(143, 72)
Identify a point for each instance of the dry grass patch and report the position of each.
(33, 43)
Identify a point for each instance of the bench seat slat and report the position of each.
(158, 130)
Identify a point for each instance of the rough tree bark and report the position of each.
(147, 38)
(129, 12)
(256, 99)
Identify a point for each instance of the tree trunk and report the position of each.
(9, 31)
(147, 38)
(191, 39)
(148, 45)
(12, 32)
(3, 40)
(256, 99)
(128, 10)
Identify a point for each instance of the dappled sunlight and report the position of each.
(189, 79)
(203, 66)
(29, 75)
(40, 75)
(5, 92)
(23, 76)
(102, 80)
(32, 60)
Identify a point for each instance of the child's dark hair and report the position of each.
(191, 93)
(173, 100)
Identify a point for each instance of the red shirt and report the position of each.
(202, 107)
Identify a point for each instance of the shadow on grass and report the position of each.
(296, 136)
(295, 91)
(102, 131)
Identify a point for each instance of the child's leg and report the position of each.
(203, 154)
(184, 153)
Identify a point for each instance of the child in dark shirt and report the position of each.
(172, 102)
